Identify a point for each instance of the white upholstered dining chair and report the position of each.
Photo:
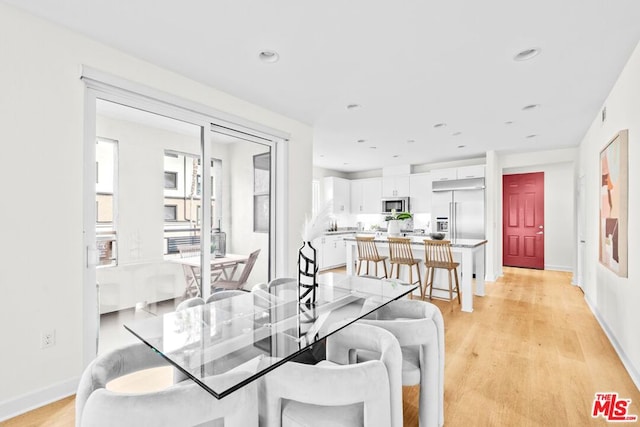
(419, 328)
(184, 404)
(338, 392)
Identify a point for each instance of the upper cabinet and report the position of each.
(420, 185)
(464, 172)
(366, 195)
(339, 190)
(395, 181)
(395, 186)
(475, 171)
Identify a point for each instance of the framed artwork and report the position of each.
(614, 195)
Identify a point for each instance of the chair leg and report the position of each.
(455, 271)
(450, 289)
(376, 268)
(418, 271)
(359, 266)
(368, 267)
(384, 265)
(397, 271)
(433, 272)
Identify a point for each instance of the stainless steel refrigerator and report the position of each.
(458, 208)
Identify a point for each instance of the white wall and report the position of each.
(42, 106)
(613, 299)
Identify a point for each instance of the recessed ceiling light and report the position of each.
(345, 163)
(527, 54)
(509, 122)
(353, 106)
(395, 156)
(321, 155)
(533, 135)
(373, 148)
(461, 146)
(360, 141)
(269, 56)
(410, 141)
(456, 133)
(530, 107)
(439, 125)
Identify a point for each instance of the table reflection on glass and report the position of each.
(259, 331)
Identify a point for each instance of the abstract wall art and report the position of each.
(613, 204)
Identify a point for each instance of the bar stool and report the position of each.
(401, 254)
(367, 251)
(438, 255)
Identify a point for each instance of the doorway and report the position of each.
(523, 220)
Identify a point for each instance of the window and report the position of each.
(170, 212)
(261, 185)
(171, 180)
(106, 189)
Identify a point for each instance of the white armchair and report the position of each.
(368, 393)
(184, 404)
(419, 328)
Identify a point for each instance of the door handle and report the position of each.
(540, 232)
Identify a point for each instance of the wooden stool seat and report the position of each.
(438, 255)
(367, 251)
(401, 254)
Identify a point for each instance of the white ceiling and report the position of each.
(410, 64)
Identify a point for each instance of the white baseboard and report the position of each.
(492, 278)
(27, 402)
(633, 373)
(558, 268)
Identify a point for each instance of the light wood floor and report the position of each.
(531, 354)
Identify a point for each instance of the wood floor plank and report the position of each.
(531, 354)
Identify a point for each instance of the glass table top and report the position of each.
(260, 330)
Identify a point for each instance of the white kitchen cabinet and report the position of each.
(339, 190)
(395, 186)
(420, 186)
(366, 195)
(475, 171)
(464, 172)
(318, 245)
(444, 174)
(332, 251)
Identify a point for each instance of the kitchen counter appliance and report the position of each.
(397, 204)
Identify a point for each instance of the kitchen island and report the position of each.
(470, 253)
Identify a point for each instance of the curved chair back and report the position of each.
(189, 302)
(338, 382)
(220, 295)
(418, 324)
(184, 404)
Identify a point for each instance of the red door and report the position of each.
(523, 220)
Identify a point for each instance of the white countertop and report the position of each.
(419, 240)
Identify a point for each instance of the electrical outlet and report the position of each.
(48, 338)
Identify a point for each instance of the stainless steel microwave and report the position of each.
(399, 204)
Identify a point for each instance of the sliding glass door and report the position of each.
(148, 209)
(162, 224)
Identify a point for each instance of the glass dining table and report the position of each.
(259, 331)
